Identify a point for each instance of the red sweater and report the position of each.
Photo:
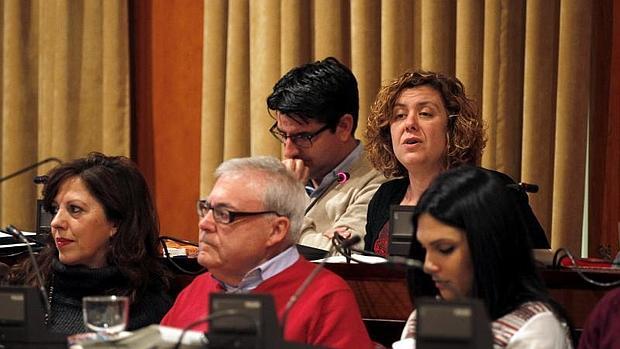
(326, 314)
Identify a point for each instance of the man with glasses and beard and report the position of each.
(315, 107)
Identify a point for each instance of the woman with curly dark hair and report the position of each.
(104, 241)
(420, 125)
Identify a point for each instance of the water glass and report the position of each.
(106, 315)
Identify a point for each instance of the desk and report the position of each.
(382, 294)
(383, 298)
(576, 295)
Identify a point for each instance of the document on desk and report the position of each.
(150, 337)
(362, 258)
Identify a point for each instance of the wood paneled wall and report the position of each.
(166, 63)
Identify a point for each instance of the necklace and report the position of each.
(50, 295)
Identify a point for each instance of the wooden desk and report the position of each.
(384, 302)
(576, 295)
(381, 291)
(382, 294)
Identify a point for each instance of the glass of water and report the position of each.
(106, 315)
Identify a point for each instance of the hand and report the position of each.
(344, 232)
(298, 168)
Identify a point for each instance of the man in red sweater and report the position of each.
(248, 228)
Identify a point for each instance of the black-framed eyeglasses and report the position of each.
(302, 140)
(223, 215)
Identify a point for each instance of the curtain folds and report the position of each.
(529, 65)
(65, 90)
(573, 104)
(517, 59)
(539, 86)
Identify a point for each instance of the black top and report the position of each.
(70, 283)
(389, 193)
(392, 193)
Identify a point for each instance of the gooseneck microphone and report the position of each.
(17, 234)
(341, 178)
(529, 187)
(407, 262)
(398, 260)
(28, 238)
(525, 187)
(336, 244)
(28, 168)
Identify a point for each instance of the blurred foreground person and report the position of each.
(469, 232)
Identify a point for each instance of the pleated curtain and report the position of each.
(526, 63)
(64, 93)
(65, 74)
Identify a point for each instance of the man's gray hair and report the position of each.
(283, 192)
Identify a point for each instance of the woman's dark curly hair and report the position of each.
(117, 184)
(465, 131)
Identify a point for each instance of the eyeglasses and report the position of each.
(302, 140)
(223, 215)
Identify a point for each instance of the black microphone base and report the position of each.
(22, 320)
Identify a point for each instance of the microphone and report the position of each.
(30, 240)
(16, 233)
(409, 263)
(347, 243)
(29, 167)
(344, 245)
(342, 177)
(525, 187)
(397, 260)
(528, 187)
(40, 179)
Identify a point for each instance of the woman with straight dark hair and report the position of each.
(103, 241)
(471, 233)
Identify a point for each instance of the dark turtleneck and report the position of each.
(69, 284)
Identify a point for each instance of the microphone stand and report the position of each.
(398, 260)
(16, 233)
(341, 178)
(29, 167)
(336, 244)
(30, 240)
(408, 263)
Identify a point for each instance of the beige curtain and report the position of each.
(519, 59)
(65, 90)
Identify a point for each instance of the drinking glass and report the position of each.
(106, 315)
